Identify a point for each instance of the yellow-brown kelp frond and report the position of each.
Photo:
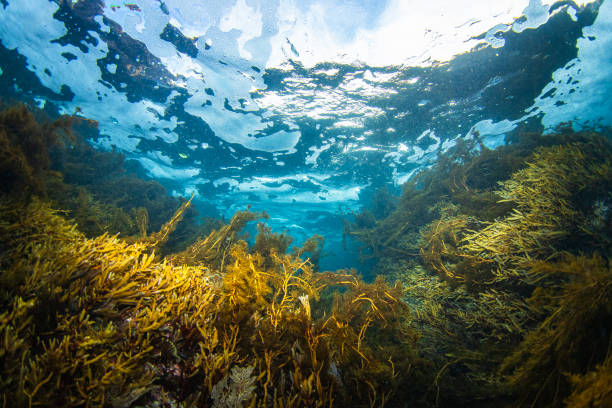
(87, 322)
(573, 339)
(442, 248)
(157, 239)
(267, 244)
(213, 249)
(465, 176)
(464, 335)
(593, 389)
(54, 160)
(559, 203)
(313, 246)
(311, 355)
(549, 196)
(372, 342)
(18, 224)
(266, 241)
(100, 322)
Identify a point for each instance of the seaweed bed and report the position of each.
(114, 294)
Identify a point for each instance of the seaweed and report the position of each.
(466, 176)
(268, 243)
(573, 338)
(24, 147)
(99, 321)
(534, 277)
(554, 199)
(501, 297)
(592, 389)
(498, 252)
(214, 248)
(457, 177)
(313, 246)
(53, 160)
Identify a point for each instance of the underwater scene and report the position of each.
(316, 203)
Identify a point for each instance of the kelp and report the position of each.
(593, 389)
(24, 147)
(529, 295)
(555, 198)
(504, 256)
(102, 197)
(53, 160)
(503, 294)
(313, 246)
(466, 176)
(157, 239)
(463, 336)
(574, 337)
(99, 322)
(68, 302)
(268, 243)
(214, 248)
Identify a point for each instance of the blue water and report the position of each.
(303, 109)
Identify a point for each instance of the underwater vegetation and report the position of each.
(130, 326)
(493, 287)
(505, 256)
(102, 322)
(106, 321)
(52, 158)
(24, 149)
